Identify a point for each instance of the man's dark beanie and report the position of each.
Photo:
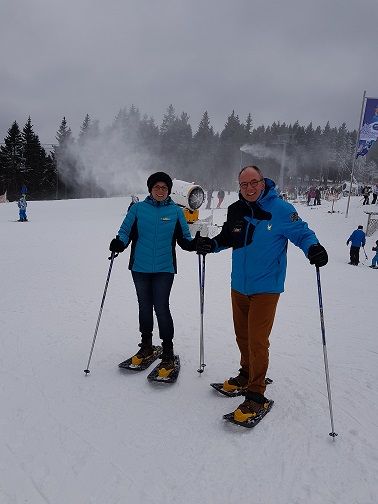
(159, 177)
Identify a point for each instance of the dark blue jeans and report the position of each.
(153, 291)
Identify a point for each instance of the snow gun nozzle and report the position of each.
(86, 371)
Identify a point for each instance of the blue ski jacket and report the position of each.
(259, 233)
(22, 204)
(153, 228)
(357, 238)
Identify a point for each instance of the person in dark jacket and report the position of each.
(357, 240)
(153, 227)
(318, 196)
(258, 227)
(221, 195)
(366, 193)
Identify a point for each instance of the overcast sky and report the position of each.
(281, 60)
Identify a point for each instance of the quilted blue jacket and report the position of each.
(154, 228)
(258, 234)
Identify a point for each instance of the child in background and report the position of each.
(22, 209)
(374, 261)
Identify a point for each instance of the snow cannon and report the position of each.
(190, 196)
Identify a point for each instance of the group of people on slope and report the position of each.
(357, 240)
(366, 191)
(257, 228)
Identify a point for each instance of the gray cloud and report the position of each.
(283, 61)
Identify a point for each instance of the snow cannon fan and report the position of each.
(190, 196)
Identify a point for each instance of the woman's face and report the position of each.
(159, 191)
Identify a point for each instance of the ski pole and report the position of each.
(113, 255)
(332, 433)
(365, 252)
(201, 276)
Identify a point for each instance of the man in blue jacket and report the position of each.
(258, 228)
(357, 239)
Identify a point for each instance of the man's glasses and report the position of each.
(160, 188)
(252, 183)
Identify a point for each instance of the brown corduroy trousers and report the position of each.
(253, 321)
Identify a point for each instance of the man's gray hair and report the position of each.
(251, 166)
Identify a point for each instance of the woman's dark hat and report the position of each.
(159, 177)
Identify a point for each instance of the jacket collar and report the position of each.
(151, 201)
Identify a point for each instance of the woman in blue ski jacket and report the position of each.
(153, 227)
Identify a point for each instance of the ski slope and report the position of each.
(112, 437)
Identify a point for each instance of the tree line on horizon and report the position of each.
(308, 155)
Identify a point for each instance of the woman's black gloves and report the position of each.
(117, 245)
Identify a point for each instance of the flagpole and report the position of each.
(355, 152)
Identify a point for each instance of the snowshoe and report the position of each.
(230, 390)
(141, 360)
(247, 415)
(166, 372)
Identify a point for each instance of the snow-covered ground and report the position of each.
(112, 437)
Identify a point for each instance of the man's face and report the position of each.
(160, 191)
(251, 184)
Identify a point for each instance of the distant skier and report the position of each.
(374, 261)
(317, 196)
(375, 194)
(366, 193)
(134, 199)
(209, 196)
(220, 197)
(357, 240)
(311, 196)
(22, 209)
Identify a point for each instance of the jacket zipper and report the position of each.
(156, 233)
(245, 252)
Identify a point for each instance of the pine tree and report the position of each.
(204, 151)
(11, 162)
(34, 159)
(228, 156)
(84, 130)
(149, 138)
(168, 140)
(65, 162)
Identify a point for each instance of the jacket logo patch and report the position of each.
(237, 229)
(269, 227)
(294, 217)
(165, 219)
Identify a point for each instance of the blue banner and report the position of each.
(369, 130)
